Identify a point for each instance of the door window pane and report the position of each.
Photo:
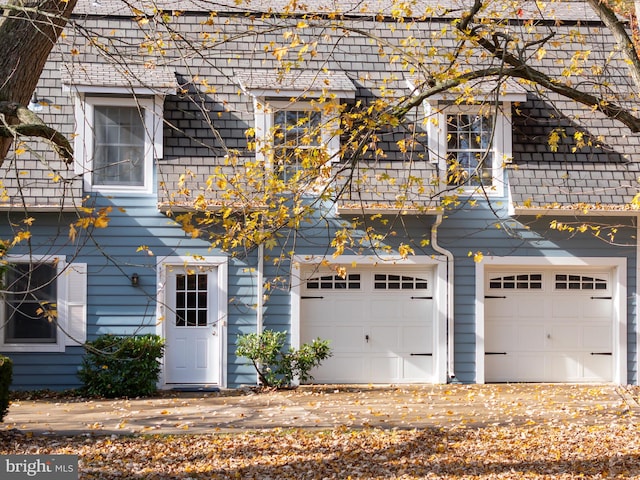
(191, 300)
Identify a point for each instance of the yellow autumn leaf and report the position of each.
(101, 222)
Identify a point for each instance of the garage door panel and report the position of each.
(414, 308)
(416, 367)
(525, 306)
(498, 308)
(530, 338)
(563, 367)
(501, 338)
(384, 369)
(598, 308)
(529, 366)
(555, 330)
(341, 338)
(598, 337)
(596, 367)
(499, 368)
(383, 310)
(373, 328)
(339, 369)
(383, 339)
(565, 337)
(417, 339)
(347, 309)
(567, 307)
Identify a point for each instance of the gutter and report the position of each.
(451, 376)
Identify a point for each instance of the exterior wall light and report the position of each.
(34, 104)
(135, 280)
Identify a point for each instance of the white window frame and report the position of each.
(71, 305)
(501, 148)
(84, 142)
(264, 119)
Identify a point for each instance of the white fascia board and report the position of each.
(306, 93)
(546, 212)
(131, 90)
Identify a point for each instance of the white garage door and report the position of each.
(548, 326)
(379, 323)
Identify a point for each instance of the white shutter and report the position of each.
(73, 304)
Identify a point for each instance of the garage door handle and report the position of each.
(421, 298)
(601, 298)
(495, 296)
(421, 354)
(602, 353)
(306, 298)
(495, 353)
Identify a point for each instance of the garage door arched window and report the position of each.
(385, 281)
(522, 281)
(580, 282)
(335, 282)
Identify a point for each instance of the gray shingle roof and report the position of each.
(561, 10)
(296, 82)
(81, 75)
(207, 117)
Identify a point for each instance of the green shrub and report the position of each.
(119, 366)
(6, 373)
(278, 368)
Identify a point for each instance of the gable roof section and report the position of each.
(116, 78)
(296, 83)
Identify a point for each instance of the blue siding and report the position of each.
(114, 305)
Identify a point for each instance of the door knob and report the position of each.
(366, 337)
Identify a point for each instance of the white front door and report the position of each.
(379, 322)
(192, 327)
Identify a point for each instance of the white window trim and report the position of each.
(71, 287)
(264, 121)
(83, 145)
(502, 143)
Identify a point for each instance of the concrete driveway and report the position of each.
(326, 407)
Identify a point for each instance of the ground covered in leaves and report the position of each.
(535, 451)
(559, 434)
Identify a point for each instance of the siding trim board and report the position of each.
(618, 269)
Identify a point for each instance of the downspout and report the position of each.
(259, 287)
(260, 297)
(451, 376)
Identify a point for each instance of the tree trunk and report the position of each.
(28, 32)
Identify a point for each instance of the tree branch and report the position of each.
(520, 69)
(20, 121)
(610, 19)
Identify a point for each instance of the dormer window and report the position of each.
(470, 155)
(297, 121)
(119, 116)
(298, 142)
(119, 157)
(471, 143)
(115, 145)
